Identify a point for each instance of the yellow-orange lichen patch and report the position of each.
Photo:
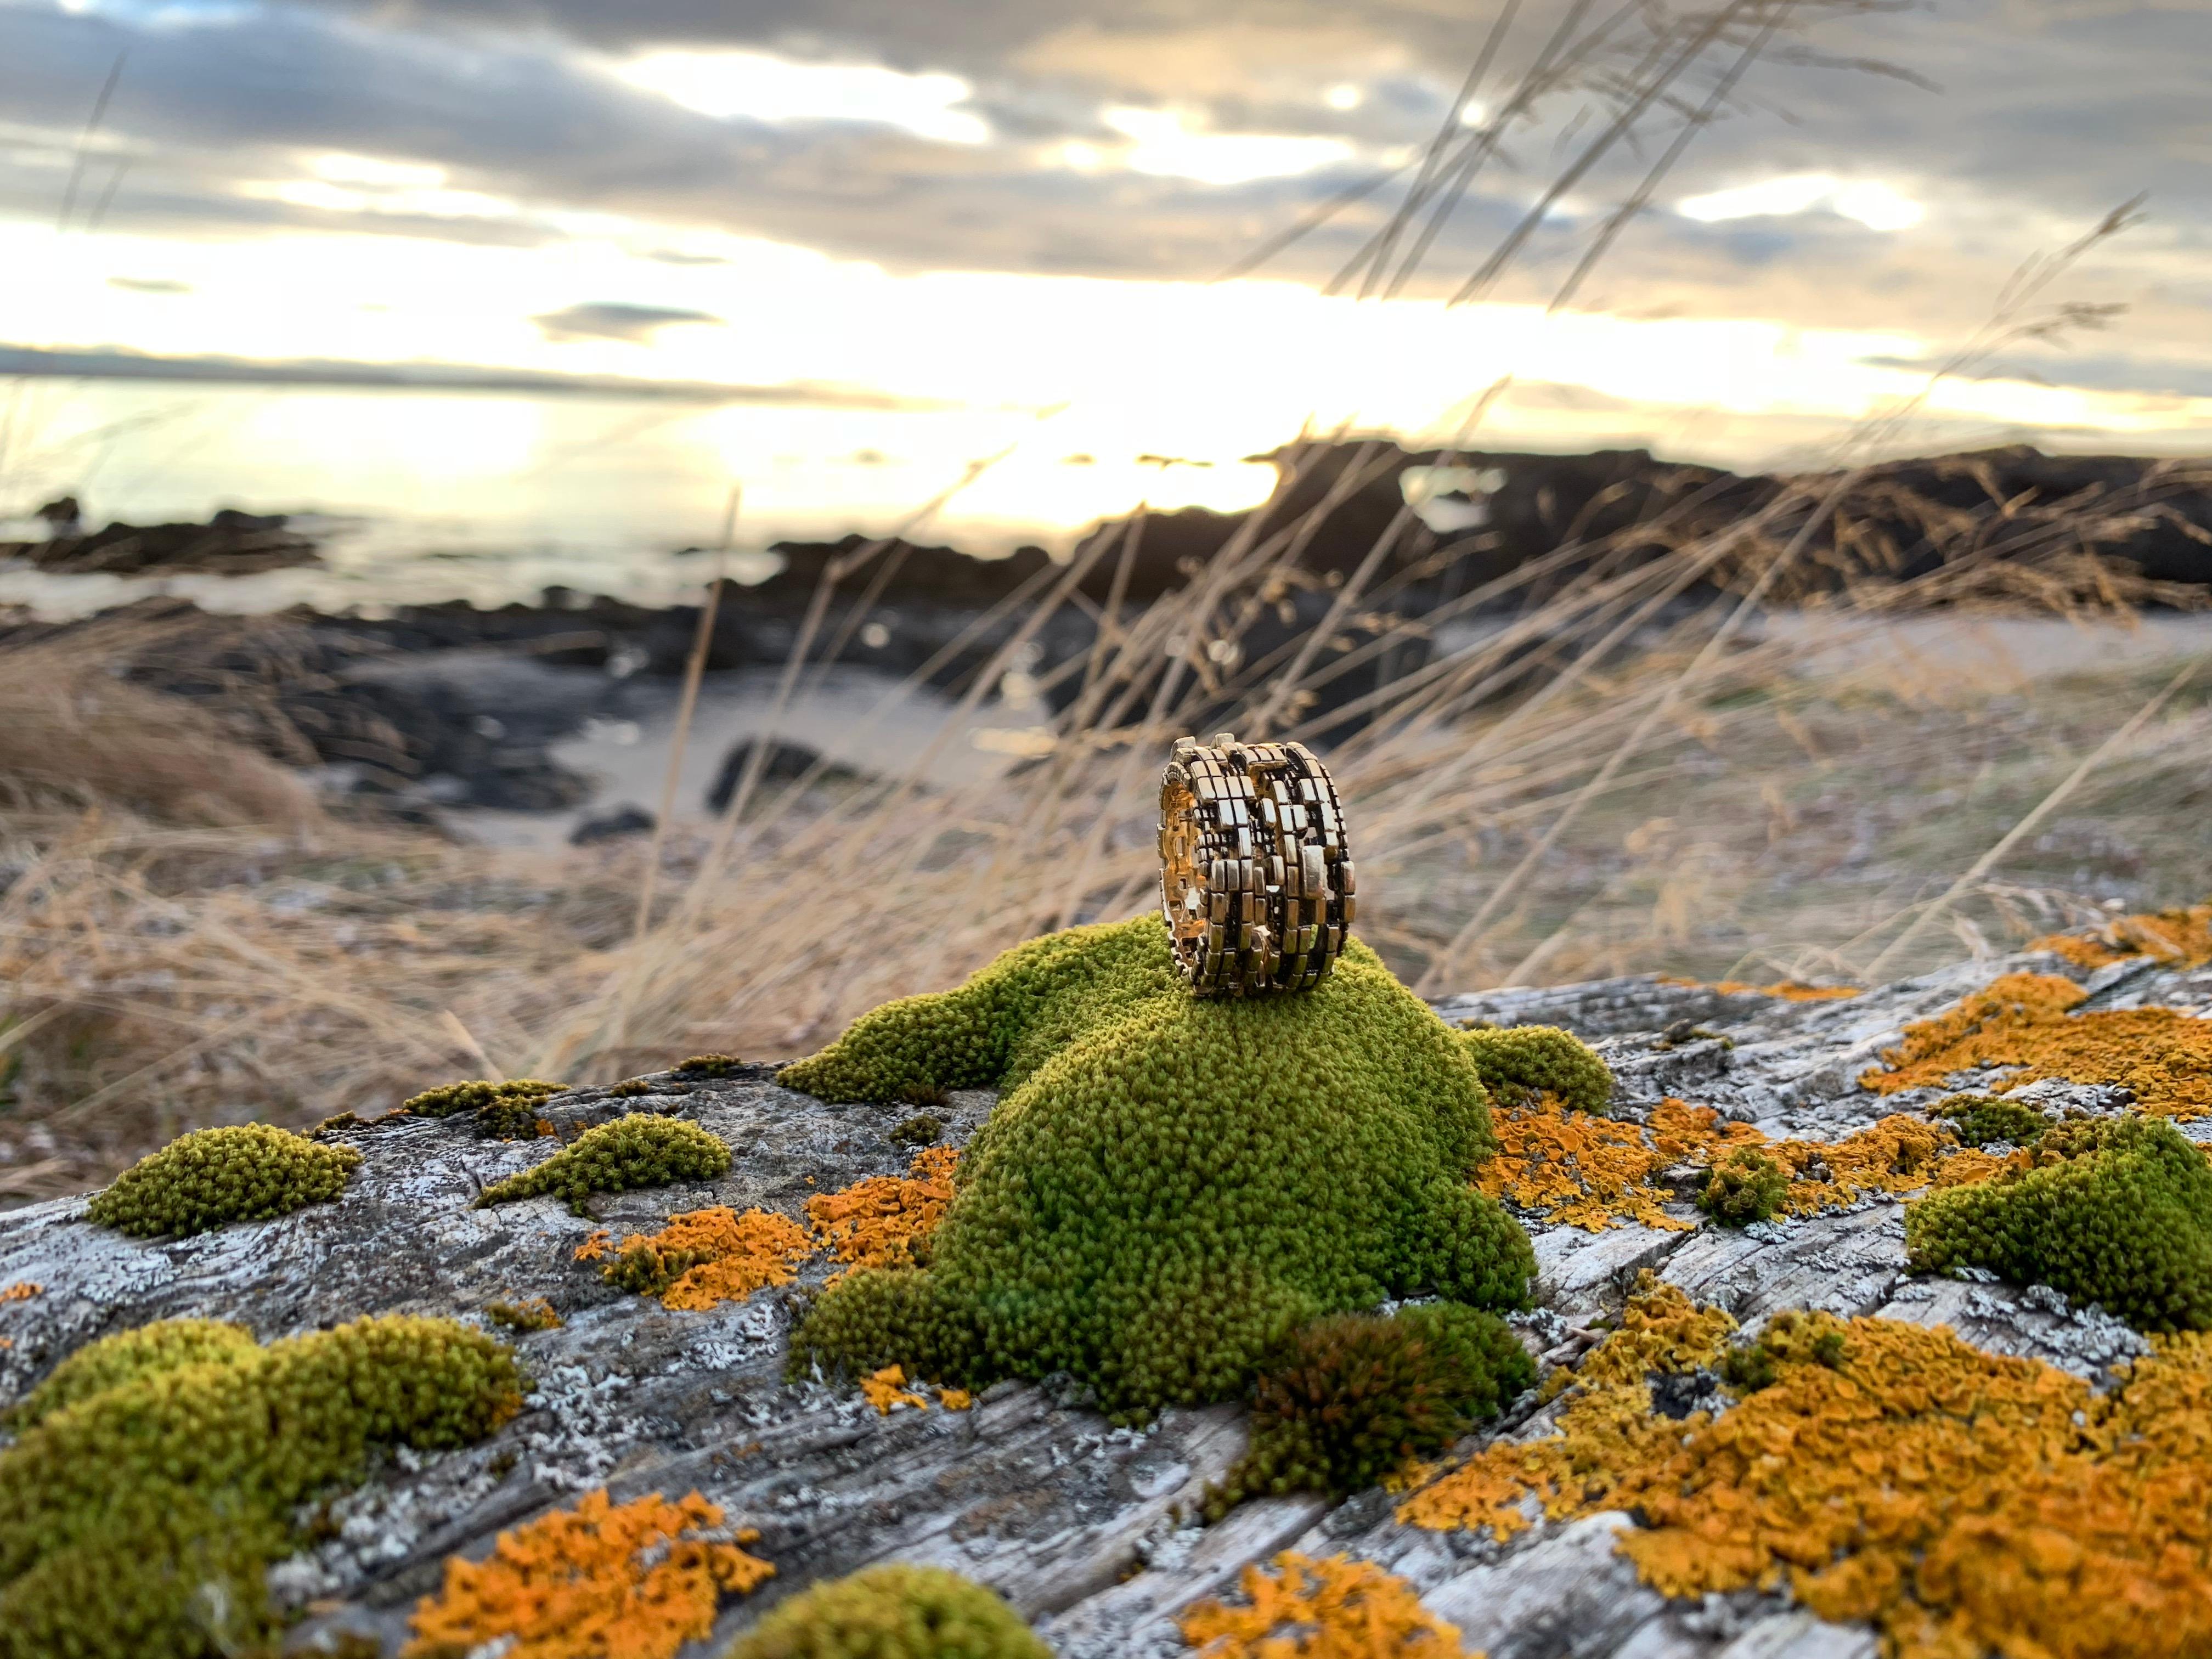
(878, 1222)
(1899, 1155)
(600, 1581)
(21, 1291)
(955, 1400)
(2026, 1021)
(1967, 1503)
(887, 1388)
(1609, 1435)
(1304, 1608)
(599, 1244)
(1596, 1172)
(2179, 938)
(1788, 990)
(704, 1258)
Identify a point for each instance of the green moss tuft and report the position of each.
(920, 1130)
(1522, 1059)
(1978, 1119)
(2118, 1212)
(1790, 1337)
(451, 1097)
(136, 1518)
(1353, 1398)
(212, 1177)
(640, 1150)
(893, 1612)
(1170, 1186)
(167, 1346)
(1745, 1187)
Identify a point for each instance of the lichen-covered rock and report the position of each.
(157, 1479)
(1169, 1185)
(2118, 1213)
(893, 1611)
(640, 1150)
(212, 1177)
(497, 1111)
(1354, 1398)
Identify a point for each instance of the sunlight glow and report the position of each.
(725, 84)
(1873, 203)
(1165, 144)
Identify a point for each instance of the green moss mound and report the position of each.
(1353, 1398)
(920, 1130)
(169, 1346)
(1529, 1059)
(1745, 1187)
(156, 1480)
(893, 1611)
(2118, 1213)
(1979, 1120)
(212, 1177)
(710, 1065)
(1170, 1186)
(642, 1150)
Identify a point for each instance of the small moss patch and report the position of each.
(536, 1314)
(156, 1476)
(710, 1066)
(2117, 1211)
(638, 1150)
(1979, 1120)
(920, 1130)
(451, 1097)
(1170, 1186)
(1745, 1187)
(1354, 1398)
(212, 1177)
(893, 1612)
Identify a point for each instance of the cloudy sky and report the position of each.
(1006, 206)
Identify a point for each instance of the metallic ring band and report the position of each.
(1255, 876)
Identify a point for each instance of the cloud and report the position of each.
(610, 319)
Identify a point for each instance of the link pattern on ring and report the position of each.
(1256, 879)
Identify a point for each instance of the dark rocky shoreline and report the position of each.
(474, 697)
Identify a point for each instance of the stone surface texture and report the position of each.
(1087, 1528)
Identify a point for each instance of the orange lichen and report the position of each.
(600, 1581)
(1609, 1434)
(1596, 1172)
(955, 1400)
(2025, 1021)
(879, 1222)
(1788, 990)
(2177, 939)
(596, 1246)
(1330, 1609)
(887, 1388)
(1899, 1155)
(704, 1258)
(1966, 1504)
(21, 1291)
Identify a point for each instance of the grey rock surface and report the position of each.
(1089, 1529)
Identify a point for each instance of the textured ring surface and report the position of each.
(1255, 875)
